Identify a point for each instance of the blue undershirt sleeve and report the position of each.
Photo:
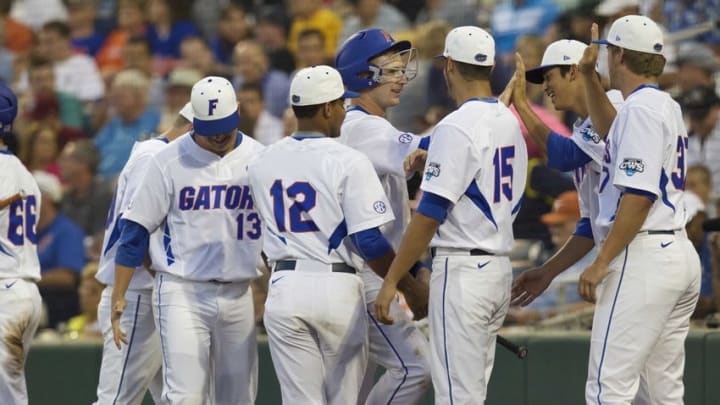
(371, 243)
(134, 239)
(433, 206)
(583, 228)
(563, 154)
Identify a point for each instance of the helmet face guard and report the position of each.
(353, 59)
(401, 65)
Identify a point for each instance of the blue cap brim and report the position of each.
(216, 127)
(535, 75)
(601, 42)
(350, 94)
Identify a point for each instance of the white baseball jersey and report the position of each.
(128, 181)
(646, 150)
(18, 237)
(587, 178)
(312, 192)
(204, 206)
(478, 161)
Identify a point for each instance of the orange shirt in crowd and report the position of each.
(18, 36)
(323, 20)
(110, 57)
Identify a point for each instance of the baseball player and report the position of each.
(195, 190)
(645, 279)
(378, 67)
(126, 374)
(559, 73)
(19, 265)
(474, 177)
(312, 192)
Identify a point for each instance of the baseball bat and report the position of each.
(6, 202)
(520, 351)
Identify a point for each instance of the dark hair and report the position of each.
(311, 33)
(5, 6)
(86, 152)
(57, 26)
(139, 40)
(309, 111)
(39, 61)
(642, 63)
(252, 86)
(473, 72)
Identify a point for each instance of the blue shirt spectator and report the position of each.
(60, 245)
(253, 66)
(90, 44)
(116, 139)
(168, 46)
(514, 18)
(683, 14)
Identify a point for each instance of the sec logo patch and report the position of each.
(405, 138)
(379, 207)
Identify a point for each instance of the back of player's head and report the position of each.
(635, 33)
(315, 86)
(214, 106)
(8, 109)
(565, 52)
(353, 58)
(472, 50)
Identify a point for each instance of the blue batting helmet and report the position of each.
(353, 58)
(8, 109)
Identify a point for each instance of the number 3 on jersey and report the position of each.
(304, 196)
(22, 219)
(502, 161)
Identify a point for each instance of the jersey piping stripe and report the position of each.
(445, 345)
(129, 349)
(663, 189)
(337, 236)
(475, 195)
(166, 243)
(2, 250)
(607, 330)
(114, 235)
(402, 363)
(162, 339)
(518, 205)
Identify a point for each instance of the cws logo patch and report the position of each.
(631, 166)
(432, 170)
(589, 134)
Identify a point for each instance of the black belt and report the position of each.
(473, 252)
(660, 232)
(216, 281)
(281, 265)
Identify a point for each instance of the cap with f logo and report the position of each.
(214, 106)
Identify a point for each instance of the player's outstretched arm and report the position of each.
(538, 131)
(417, 237)
(631, 214)
(602, 112)
(530, 284)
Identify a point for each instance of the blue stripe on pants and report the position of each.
(127, 354)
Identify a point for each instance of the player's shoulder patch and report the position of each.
(405, 138)
(632, 165)
(590, 135)
(380, 207)
(432, 170)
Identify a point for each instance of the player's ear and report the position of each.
(327, 110)
(573, 73)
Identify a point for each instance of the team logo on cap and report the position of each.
(631, 166)
(379, 207)
(480, 57)
(295, 98)
(433, 170)
(657, 47)
(565, 57)
(387, 36)
(617, 37)
(405, 138)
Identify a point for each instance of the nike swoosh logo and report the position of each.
(664, 245)
(480, 266)
(277, 279)
(8, 285)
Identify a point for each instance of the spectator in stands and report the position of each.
(130, 23)
(86, 199)
(251, 65)
(513, 18)
(311, 49)
(562, 294)
(169, 25)
(42, 80)
(17, 37)
(698, 185)
(697, 64)
(207, 13)
(684, 14)
(131, 121)
(7, 61)
(85, 325)
(256, 120)
(36, 13)
(177, 94)
(454, 13)
(137, 55)
(312, 14)
(43, 152)
(701, 106)
(271, 32)
(84, 37)
(372, 14)
(232, 28)
(195, 54)
(75, 74)
(61, 253)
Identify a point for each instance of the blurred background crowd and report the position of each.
(95, 76)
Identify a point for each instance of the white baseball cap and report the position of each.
(48, 184)
(469, 44)
(187, 112)
(214, 106)
(636, 33)
(317, 85)
(559, 53)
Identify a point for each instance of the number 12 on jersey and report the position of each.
(304, 196)
(502, 161)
